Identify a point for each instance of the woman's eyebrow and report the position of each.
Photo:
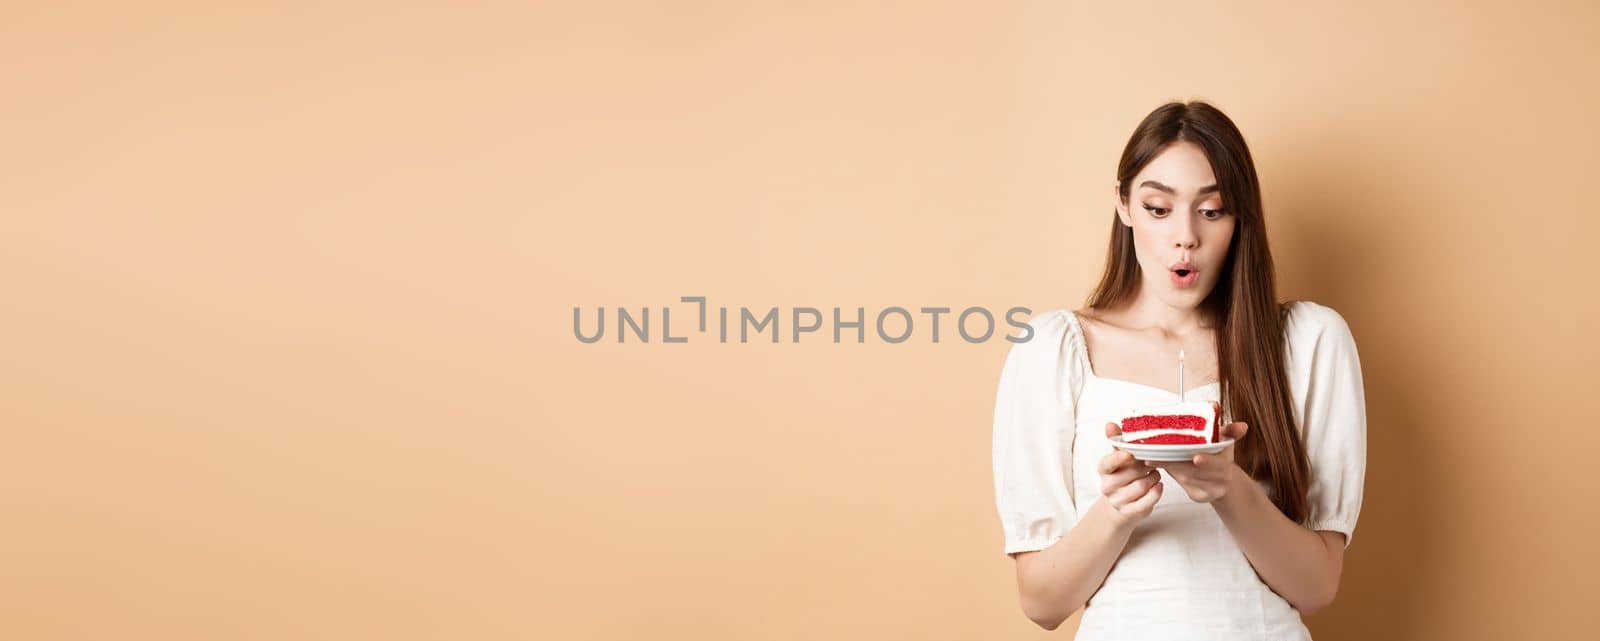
(1155, 185)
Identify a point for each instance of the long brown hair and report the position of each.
(1249, 322)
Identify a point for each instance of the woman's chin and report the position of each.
(1186, 298)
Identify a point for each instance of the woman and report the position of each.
(1235, 545)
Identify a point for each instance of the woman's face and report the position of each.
(1179, 223)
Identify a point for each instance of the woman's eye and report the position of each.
(1212, 214)
(1155, 211)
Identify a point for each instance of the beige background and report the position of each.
(288, 295)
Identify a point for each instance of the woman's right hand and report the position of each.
(1129, 486)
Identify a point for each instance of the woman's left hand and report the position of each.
(1206, 477)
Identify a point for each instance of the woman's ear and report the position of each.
(1122, 206)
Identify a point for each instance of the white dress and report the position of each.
(1182, 575)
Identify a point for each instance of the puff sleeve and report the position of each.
(1325, 377)
(1033, 428)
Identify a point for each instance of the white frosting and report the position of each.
(1129, 437)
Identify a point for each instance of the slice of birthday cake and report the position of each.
(1177, 424)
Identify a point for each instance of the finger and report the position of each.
(1112, 429)
(1114, 461)
(1122, 468)
(1145, 504)
(1236, 430)
(1109, 484)
(1132, 491)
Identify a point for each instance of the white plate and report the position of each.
(1168, 452)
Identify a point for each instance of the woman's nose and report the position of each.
(1187, 238)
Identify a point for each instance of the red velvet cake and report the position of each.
(1192, 423)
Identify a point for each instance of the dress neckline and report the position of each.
(1088, 365)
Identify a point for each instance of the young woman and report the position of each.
(1236, 545)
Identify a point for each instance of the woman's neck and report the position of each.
(1149, 312)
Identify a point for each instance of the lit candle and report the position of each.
(1180, 376)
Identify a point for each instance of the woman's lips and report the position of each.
(1189, 278)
